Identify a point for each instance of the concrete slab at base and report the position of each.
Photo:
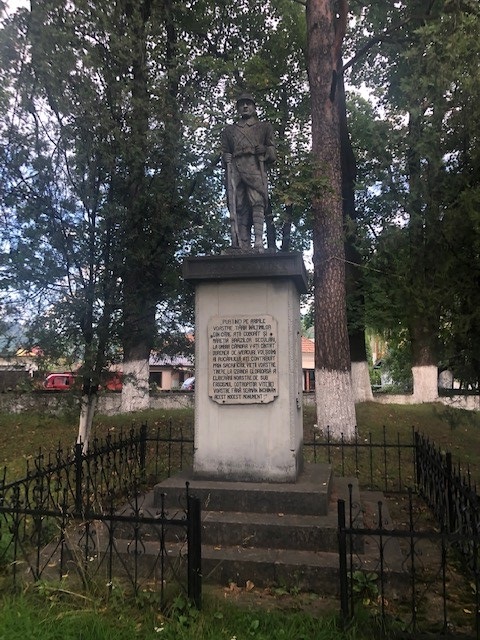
(309, 495)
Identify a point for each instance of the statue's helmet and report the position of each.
(245, 96)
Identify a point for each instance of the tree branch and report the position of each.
(371, 43)
(206, 171)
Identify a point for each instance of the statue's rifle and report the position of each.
(261, 162)
(232, 201)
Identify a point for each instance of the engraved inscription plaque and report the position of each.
(242, 367)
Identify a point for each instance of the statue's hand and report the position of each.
(259, 149)
(227, 158)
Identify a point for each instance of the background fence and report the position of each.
(87, 515)
(388, 465)
(414, 570)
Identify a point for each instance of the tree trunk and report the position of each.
(421, 322)
(88, 405)
(151, 221)
(333, 388)
(424, 367)
(361, 385)
(139, 323)
(139, 294)
(135, 389)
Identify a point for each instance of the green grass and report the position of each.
(24, 434)
(48, 614)
(455, 430)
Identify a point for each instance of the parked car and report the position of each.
(59, 381)
(188, 384)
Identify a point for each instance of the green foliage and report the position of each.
(364, 586)
(398, 360)
(417, 157)
(109, 129)
(109, 165)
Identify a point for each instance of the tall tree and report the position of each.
(109, 97)
(334, 397)
(152, 211)
(94, 145)
(419, 76)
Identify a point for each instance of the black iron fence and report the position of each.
(411, 560)
(387, 464)
(87, 515)
(452, 497)
(112, 465)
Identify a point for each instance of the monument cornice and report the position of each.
(245, 265)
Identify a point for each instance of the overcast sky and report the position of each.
(14, 4)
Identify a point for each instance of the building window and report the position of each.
(156, 378)
(309, 380)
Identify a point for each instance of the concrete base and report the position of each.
(309, 495)
(274, 535)
(248, 386)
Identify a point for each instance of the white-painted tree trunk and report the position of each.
(88, 405)
(335, 405)
(361, 385)
(135, 389)
(425, 383)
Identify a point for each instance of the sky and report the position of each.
(14, 4)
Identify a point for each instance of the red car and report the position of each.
(59, 381)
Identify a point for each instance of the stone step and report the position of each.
(289, 569)
(279, 530)
(269, 549)
(310, 495)
(255, 529)
(268, 530)
(308, 569)
(219, 528)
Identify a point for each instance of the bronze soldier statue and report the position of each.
(248, 148)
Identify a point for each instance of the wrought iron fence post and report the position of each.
(342, 559)
(417, 459)
(78, 477)
(143, 452)
(450, 510)
(194, 550)
(15, 531)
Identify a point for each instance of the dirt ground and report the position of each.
(272, 598)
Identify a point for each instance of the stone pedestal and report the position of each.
(248, 372)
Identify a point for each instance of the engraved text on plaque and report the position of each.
(242, 364)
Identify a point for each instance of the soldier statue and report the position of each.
(248, 148)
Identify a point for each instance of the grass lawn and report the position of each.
(48, 612)
(25, 434)
(455, 430)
